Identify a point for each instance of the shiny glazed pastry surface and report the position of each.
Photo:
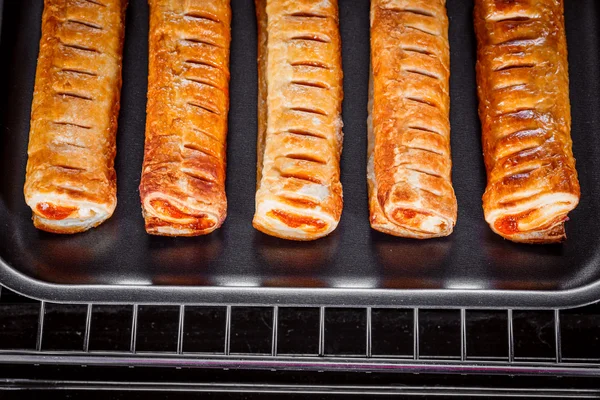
(299, 195)
(409, 167)
(523, 85)
(71, 182)
(183, 179)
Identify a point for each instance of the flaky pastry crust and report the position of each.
(183, 179)
(71, 181)
(299, 194)
(409, 167)
(523, 85)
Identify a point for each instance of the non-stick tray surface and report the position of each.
(118, 262)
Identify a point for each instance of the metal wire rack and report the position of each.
(515, 342)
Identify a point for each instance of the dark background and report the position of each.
(439, 331)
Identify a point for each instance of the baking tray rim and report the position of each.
(303, 297)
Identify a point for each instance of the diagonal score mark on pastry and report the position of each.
(71, 182)
(523, 85)
(409, 167)
(183, 178)
(299, 194)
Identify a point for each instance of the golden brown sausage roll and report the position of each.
(523, 85)
(299, 194)
(183, 179)
(409, 167)
(71, 182)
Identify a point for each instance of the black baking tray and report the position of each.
(119, 262)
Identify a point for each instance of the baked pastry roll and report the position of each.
(409, 166)
(299, 194)
(183, 179)
(523, 85)
(71, 182)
